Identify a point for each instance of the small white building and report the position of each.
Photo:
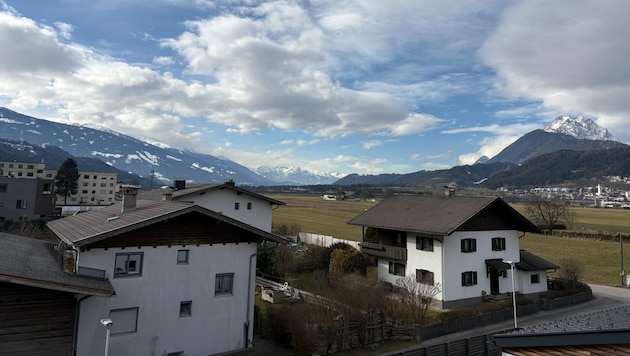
(183, 277)
(227, 199)
(460, 242)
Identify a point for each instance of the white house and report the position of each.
(183, 277)
(228, 199)
(460, 242)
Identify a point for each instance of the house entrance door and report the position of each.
(494, 282)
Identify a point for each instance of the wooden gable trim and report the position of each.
(190, 229)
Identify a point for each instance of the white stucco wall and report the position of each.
(525, 285)
(223, 200)
(456, 262)
(216, 324)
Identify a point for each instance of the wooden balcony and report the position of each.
(386, 251)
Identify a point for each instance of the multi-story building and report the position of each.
(94, 188)
(25, 170)
(22, 198)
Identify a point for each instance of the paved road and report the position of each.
(604, 297)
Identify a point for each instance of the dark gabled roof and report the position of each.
(436, 215)
(609, 326)
(96, 225)
(36, 263)
(181, 194)
(528, 262)
(531, 262)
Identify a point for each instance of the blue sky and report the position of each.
(327, 85)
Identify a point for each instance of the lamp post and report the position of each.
(511, 263)
(107, 322)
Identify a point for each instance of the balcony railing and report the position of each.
(386, 251)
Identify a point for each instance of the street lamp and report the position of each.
(107, 322)
(511, 263)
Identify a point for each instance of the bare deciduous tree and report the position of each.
(547, 214)
(418, 295)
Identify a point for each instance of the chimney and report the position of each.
(449, 189)
(129, 198)
(230, 183)
(167, 195)
(180, 184)
(70, 261)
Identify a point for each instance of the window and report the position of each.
(29, 174)
(397, 269)
(185, 308)
(182, 257)
(424, 243)
(86, 176)
(124, 320)
(237, 206)
(535, 278)
(469, 278)
(128, 264)
(3, 188)
(498, 243)
(84, 191)
(86, 184)
(469, 245)
(30, 166)
(20, 204)
(425, 277)
(249, 206)
(223, 283)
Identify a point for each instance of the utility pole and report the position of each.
(623, 274)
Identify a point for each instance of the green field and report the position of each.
(600, 259)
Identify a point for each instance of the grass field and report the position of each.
(601, 260)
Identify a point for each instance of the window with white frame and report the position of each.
(498, 244)
(182, 257)
(224, 284)
(469, 278)
(124, 321)
(397, 269)
(128, 264)
(469, 245)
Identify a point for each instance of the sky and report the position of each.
(339, 86)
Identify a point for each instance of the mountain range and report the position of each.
(567, 150)
(549, 156)
(129, 154)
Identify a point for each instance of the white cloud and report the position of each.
(163, 61)
(499, 138)
(371, 144)
(571, 55)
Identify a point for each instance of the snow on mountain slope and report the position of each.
(579, 127)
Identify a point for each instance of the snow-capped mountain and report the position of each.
(125, 152)
(563, 133)
(296, 175)
(579, 127)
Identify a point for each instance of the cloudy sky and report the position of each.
(363, 86)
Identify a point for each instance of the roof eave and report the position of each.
(56, 286)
